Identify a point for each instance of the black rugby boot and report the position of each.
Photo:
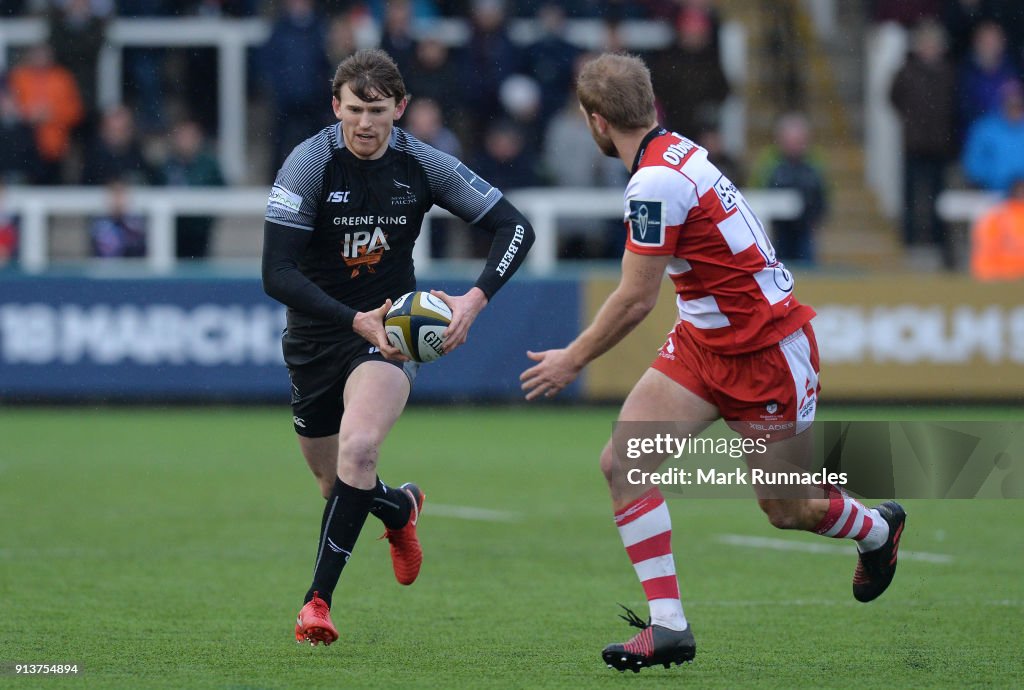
(653, 645)
(875, 569)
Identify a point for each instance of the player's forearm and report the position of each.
(283, 280)
(616, 319)
(513, 237)
(292, 289)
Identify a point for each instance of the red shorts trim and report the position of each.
(769, 391)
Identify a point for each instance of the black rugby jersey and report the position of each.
(365, 215)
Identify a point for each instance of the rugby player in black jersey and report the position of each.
(341, 221)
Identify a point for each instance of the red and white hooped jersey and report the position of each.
(733, 295)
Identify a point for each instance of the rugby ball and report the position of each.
(416, 324)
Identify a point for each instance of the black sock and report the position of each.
(344, 515)
(390, 505)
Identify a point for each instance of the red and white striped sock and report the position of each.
(848, 518)
(646, 530)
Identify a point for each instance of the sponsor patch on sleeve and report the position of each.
(283, 199)
(646, 223)
(473, 180)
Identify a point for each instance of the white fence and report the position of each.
(232, 37)
(885, 51)
(160, 206)
(963, 205)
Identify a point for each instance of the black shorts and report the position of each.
(319, 371)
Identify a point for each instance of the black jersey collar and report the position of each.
(656, 132)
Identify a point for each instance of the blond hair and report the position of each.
(617, 86)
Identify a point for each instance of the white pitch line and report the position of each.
(471, 513)
(911, 603)
(787, 545)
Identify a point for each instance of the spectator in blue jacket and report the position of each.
(489, 58)
(295, 71)
(397, 38)
(994, 152)
(144, 66)
(983, 74)
(551, 60)
(119, 233)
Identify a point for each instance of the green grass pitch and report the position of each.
(171, 548)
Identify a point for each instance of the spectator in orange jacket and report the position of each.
(997, 240)
(48, 98)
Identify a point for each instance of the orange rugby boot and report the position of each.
(314, 623)
(406, 552)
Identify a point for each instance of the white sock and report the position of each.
(668, 613)
(877, 535)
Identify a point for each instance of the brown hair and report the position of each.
(371, 74)
(617, 86)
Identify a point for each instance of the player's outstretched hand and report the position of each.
(555, 369)
(370, 325)
(464, 312)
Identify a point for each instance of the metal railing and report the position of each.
(35, 207)
(964, 205)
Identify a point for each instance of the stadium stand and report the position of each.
(803, 62)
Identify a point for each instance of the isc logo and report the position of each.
(338, 197)
(363, 243)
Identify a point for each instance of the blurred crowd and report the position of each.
(960, 98)
(507, 109)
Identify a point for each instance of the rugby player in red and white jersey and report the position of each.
(742, 349)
